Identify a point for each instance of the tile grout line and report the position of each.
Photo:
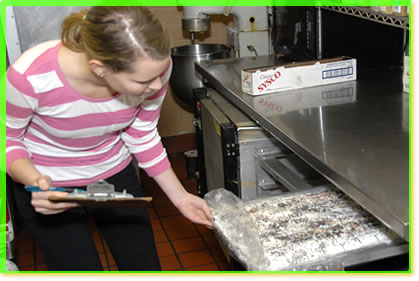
(186, 252)
(202, 265)
(208, 248)
(168, 239)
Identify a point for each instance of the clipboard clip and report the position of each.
(100, 191)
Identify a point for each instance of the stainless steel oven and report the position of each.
(239, 155)
(287, 143)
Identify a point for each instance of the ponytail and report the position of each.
(70, 34)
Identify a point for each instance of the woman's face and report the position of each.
(145, 79)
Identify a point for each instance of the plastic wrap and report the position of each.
(237, 229)
(310, 230)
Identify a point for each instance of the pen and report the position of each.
(34, 188)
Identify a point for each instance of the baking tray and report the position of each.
(316, 229)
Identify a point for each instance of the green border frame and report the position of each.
(205, 2)
(5, 3)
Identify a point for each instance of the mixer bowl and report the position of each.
(184, 77)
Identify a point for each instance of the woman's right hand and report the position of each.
(40, 200)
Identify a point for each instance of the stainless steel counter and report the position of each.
(356, 134)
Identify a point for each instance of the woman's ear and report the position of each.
(98, 67)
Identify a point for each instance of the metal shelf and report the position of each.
(366, 13)
(286, 168)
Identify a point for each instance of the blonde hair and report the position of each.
(116, 35)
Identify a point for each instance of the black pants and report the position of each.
(66, 240)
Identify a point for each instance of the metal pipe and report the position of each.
(319, 39)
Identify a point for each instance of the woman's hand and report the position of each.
(42, 205)
(40, 200)
(191, 206)
(44, 182)
(195, 209)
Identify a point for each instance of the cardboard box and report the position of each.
(406, 74)
(257, 81)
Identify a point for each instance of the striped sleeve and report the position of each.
(21, 103)
(142, 137)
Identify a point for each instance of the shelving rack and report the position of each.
(367, 13)
(363, 13)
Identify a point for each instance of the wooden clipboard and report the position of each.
(136, 202)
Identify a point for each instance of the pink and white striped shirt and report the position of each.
(74, 139)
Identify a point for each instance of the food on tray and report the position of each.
(313, 226)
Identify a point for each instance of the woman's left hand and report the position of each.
(191, 206)
(195, 209)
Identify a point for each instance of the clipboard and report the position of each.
(136, 202)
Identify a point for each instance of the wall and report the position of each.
(175, 118)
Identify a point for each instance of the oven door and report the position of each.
(237, 154)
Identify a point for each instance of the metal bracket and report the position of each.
(288, 169)
(100, 191)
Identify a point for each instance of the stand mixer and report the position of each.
(249, 36)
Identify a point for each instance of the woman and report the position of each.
(77, 109)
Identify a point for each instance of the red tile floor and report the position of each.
(181, 245)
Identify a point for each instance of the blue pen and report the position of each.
(34, 188)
